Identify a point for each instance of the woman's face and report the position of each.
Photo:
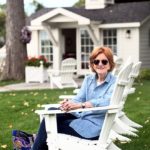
(101, 64)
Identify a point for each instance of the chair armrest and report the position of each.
(52, 112)
(58, 72)
(68, 71)
(53, 72)
(76, 91)
(46, 106)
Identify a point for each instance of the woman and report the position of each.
(95, 91)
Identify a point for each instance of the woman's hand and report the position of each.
(67, 105)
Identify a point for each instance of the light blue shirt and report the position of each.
(89, 124)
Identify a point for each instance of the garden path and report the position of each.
(30, 86)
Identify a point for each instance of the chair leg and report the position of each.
(131, 123)
(124, 125)
(51, 132)
(51, 83)
(56, 81)
(115, 137)
(121, 130)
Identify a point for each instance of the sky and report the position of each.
(47, 3)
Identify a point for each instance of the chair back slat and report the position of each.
(134, 74)
(65, 76)
(119, 88)
(68, 67)
(115, 100)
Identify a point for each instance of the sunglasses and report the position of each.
(103, 61)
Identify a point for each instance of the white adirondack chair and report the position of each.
(133, 75)
(120, 127)
(57, 141)
(122, 124)
(64, 77)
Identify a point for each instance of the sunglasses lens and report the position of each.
(104, 62)
(96, 62)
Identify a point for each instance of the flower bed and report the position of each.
(36, 61)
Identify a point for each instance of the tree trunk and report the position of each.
(16, 52)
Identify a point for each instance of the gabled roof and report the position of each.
(59, 15)
(117, 13)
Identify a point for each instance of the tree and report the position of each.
(16, 52)
(37, 5)
(80, 3)
(2, 24)
(2, 28)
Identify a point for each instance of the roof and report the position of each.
(117, 13)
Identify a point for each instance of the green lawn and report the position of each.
(17, 112)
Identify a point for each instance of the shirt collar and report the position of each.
(107, 79)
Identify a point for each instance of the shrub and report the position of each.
(34, 61)
(144, 74)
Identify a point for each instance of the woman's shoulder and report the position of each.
(111, 78)
(90, 76)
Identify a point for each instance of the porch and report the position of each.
(62, 34)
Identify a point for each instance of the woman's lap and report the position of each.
(63, 121)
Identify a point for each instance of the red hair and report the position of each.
(107, 52)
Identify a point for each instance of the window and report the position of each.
(46, 46)
(86, 48)
(110, 39)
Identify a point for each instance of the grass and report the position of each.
(17, 112)
(138, 109)
(8, 82)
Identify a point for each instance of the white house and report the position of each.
(58, 33)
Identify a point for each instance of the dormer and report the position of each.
(97, 4)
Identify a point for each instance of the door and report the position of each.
(69, 43)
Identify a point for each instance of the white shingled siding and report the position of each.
(97, 4)
(33, 46)
(128, 46)
(145, 44)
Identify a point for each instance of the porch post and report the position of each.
(78, 50)
(56, 58)
(93, 35)
(50, 32)
(54, 37)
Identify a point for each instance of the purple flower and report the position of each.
(25, 35)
